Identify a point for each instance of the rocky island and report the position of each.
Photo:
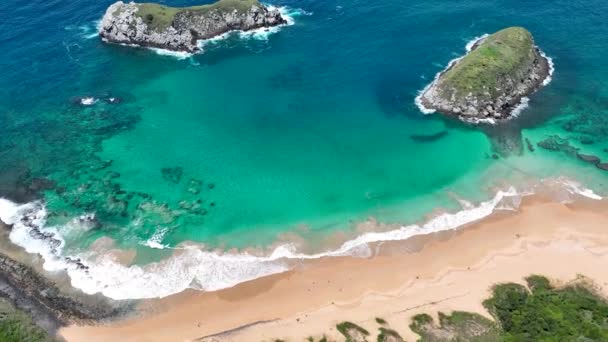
(491, 80)
(179, 29)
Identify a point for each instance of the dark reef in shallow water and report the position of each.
(428, 137)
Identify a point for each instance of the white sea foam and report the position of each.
(523, 104)
(551, 68)
(259, 34)
(180, 55)
(155, 241)
(88, 101)
(262, 33)
(193, 267)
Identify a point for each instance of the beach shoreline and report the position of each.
(558, 240)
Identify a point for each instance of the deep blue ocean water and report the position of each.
(304, 132)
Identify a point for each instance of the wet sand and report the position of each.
(437, 272)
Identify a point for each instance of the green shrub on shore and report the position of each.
(536, 312)
(352, 332)
(459, 326)
(571, 313)
(16, 326)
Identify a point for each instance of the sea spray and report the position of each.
(193, 267)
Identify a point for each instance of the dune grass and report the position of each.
(459, 326)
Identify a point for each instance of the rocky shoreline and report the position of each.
(179, 29)
(45, 298)
(473, 108)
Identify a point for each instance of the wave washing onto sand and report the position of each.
(523, 103)
(193, 267)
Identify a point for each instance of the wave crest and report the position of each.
(193, 267)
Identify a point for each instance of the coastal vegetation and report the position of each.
(179, 29)
(536, 311)
(479, 73)
(158, 17)
(491, 80)
(16, 326)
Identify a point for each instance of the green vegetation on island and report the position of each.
(491, 80)
(498, 55)
(179, 29)
(16, 326)
(158, 17)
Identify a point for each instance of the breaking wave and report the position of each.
(196, 268)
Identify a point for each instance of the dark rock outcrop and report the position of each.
(179, 29)
(588, 158)
(490, 81)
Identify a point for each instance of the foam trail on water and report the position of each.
(262, 33)
(180, 55)
(193, 267)
(551, 68)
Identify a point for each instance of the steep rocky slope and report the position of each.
(491, 80)
(178, 29)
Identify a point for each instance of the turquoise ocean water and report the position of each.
(294, 135)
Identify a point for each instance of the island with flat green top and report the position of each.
(179, 29)
(491, 80)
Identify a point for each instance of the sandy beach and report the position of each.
(439, 272)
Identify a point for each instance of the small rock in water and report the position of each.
(113, 100)
(588, 158)
(87, 101)
(530, 146)
(172, 174)
(194, 186)
(602, 166)
(112, 175)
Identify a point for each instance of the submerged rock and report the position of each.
(428, 137)
(178, 29)
(588, 158)
(530, 146)
(172, 174)
(491, 80)
(602, 166)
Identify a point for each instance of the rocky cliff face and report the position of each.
(491, 80)
(178, 29)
